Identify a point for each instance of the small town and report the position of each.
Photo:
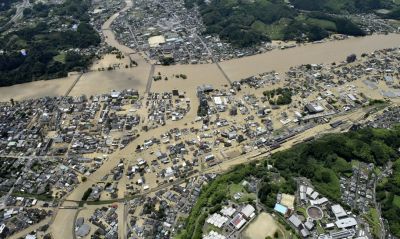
(168, 33)
(153, 154)
(192, 119)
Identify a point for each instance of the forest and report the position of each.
(39, 53)
(322, 161)
(335, 6)
(248, 23)
(6, 4)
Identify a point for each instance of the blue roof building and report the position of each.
(280, 208)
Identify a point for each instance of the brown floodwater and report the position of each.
(278, 60)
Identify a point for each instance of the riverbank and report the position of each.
(136, 77)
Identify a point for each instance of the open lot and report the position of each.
(263, 226)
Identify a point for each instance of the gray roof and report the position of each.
(295, 220)
(83, 230)
(79, 222)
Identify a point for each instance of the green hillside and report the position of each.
(341, 6)
(245, 23)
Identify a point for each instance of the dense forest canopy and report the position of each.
(6, 4)
(341, 6)
(38, 52)
(245, 23)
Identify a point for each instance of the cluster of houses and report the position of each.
(389, 118)
(15, 219)
(315, 216)
(166, 106)
(103, 223)
(357, 190)
(47, 138)
(165, 31)
(51, 126)
(36, 177)
(168, 32)
(371, 23)
(319, 93)
(157, 216)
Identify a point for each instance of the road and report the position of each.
(124, 220)
(73, 84)
(19, 13)
(150, 79)
(215, 61)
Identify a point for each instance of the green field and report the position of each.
(396, 201)
(238, 188)
(60, 58)
(274, 30)
(325, 24)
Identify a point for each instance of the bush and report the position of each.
(87, 194)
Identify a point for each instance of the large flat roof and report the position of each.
(155, 41)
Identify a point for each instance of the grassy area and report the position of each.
(28, 195)
(208, 228)
(325, 24)
(355, 163)
(320, 229)
(238, 188)
(274, 31)
(383, 182)
(60, 58)
(396, 201)
(373, 219)
(302, 211)
(377, 171)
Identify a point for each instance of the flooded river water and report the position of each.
(236, 69)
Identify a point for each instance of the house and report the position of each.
(295, 220)
(338, 211)
(342, 234)
(238, 221)
(280, 208)
(248, 211)
(314, 108)
(319, 201)
(304, 232)
(83, 231)
(346, 223)
(79, 222)
(204, 89)
(309, 225)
